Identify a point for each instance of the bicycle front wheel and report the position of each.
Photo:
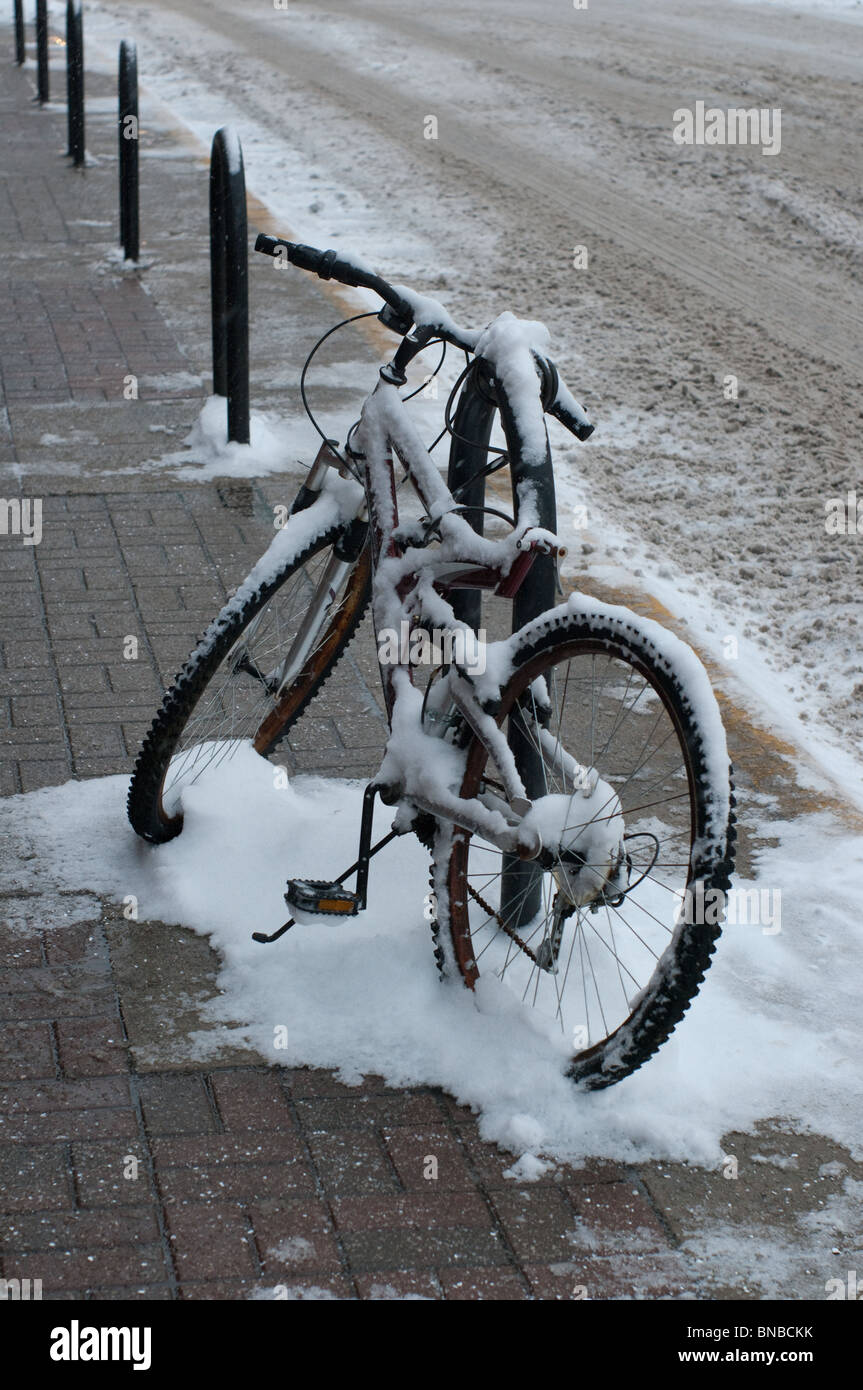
(607, 939)
(255, 670)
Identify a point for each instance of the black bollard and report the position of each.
(70, 77)
(75, 70)
(229, 280)
(43, 85)
(20, 47)
(521, 882)
(128, 137)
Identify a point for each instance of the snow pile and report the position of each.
(208, 454)
(775, 1031)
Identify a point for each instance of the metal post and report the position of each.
(229, 280)
(20, 47)
(43, 85)
(521, 882)
(75, 68)
(128, 137)
(70, 77)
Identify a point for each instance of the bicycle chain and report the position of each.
(504, 928)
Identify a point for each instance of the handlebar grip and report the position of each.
(306, 257)
(325, 264)
(567, 410)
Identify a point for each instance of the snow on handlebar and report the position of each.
(410, 309)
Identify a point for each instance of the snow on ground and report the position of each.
(775, 1031)
(767, 1264)
(207, 453)
(846, 8)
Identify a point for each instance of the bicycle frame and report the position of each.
(410, 586)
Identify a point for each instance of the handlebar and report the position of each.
(404, 310)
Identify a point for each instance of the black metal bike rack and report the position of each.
(128, 138)
(75, 82)
(20, 44)
(521, 883)
(229, 279)
(43, 83)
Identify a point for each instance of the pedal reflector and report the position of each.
(309, 895)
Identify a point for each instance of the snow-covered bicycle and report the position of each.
(571, 781)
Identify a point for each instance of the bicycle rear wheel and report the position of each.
(233, 692)
(624, 730)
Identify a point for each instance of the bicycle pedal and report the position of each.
(321, 898)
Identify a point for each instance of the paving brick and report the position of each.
(459, 1114)
(26, 1050)
(55, 1096)
(91, 1047)
(241, 1182)
(176, 1104)
(295, 1236)
(538, 1222)
(104, 1176)
(625, 1275)
(60, 1269)
(312, 1287)
(308, 1082)
(399, 1284)
(220, 1290)
(36, 775)
(484, 1284)
(413, 1249)
(78, 943)
(141, 1293)
(252, 1100)
(55, 1126)
(616, 1214)
(83, 1230)
(397, 1211)
(34, 1178)
(352, 1162)
(17, 951)
(210, 1240)
(249, 1146)
(103, 767)
(374, 1111)
(91, 741)
(491, 1164)
(416, 1154)
(42, 1003)
(38, 710)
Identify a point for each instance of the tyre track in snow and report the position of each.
(638, 98)
(818, 322)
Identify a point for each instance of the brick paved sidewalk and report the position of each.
(125, 1172)
(217, 1184)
